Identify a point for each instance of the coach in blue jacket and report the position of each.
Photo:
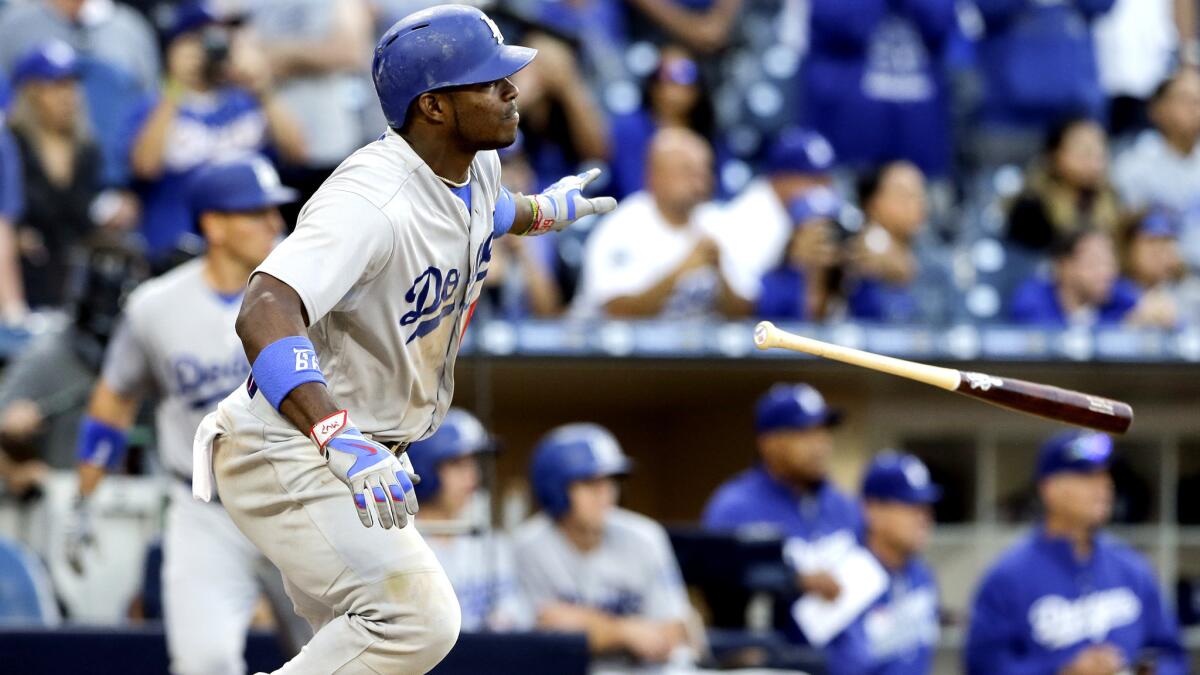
(1069, 598)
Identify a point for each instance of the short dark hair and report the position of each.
(1058, 132)
(871, 181)
(1064, 246)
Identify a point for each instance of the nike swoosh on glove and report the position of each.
(563, 203)
(369, 469)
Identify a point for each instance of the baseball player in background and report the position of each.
(898, 632)
(479, 562)
(1068, 598)
(176, 342)
(352, 326)
(591, 567)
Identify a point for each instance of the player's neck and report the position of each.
(1079, 535)
(224, 274)
(892, 557)
(585, 539)
(447, 161)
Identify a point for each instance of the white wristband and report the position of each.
(324, 430)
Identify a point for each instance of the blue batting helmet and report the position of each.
(461, 434)
(570, 453)
(443, 46)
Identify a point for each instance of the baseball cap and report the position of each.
(53, 60)
(819, 202)
(1074, 451)
(1158, 222)
(189, 16)
(898, 477)
(793, 407)
(679, 71)
(799, 150)
(245, 184)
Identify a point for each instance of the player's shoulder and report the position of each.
(1016, 562)
(1127, 558)
(635, 528)
(532, 533)
(375, 173)
(165, 290)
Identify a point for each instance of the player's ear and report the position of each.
(212, 226)
(433, 107)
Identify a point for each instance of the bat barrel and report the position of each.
(1064, 405)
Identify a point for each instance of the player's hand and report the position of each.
(1102, 659)
(81, 533)
(649, 641)
(370, 470)
(563, 203)
(822, 584)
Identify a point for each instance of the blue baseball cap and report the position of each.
(819, 202)
(1159, 222)
(1074, 452)
(795, 407)
(54, 60)
(899, 477)
(245, 184)
(189, 16)
(798, 150)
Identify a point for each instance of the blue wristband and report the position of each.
(505, 213)
(284, 365)
(100, 444)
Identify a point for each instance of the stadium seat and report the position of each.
(26, 596)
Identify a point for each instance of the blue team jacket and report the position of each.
(897, 634)
(1039, 606)
(1035, 302)
(753, 497)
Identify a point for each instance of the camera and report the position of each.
(216, 40)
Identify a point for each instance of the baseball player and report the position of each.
(177, 343)
(352, 327)
(1068, 598)
(479, 564)
(588, 566)
(789, 489)
(897, 634)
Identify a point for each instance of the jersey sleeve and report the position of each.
(127, 369)
(512, 610)
(529, 554)
(12, 189)
(341, 242)
(666, 599)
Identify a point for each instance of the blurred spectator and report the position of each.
(703, 26)
(1136, 45)
(218, 101)
(873, 80)
(1084, 289)
(562, 122)
(891, 277)
(1039, 65)
(676, 95)
(655, 255)
(797, 161)
(598, 25)
(591, 567)
(1163, 167)
(12, 204)
(1068, 597)
(520, 281)
(804, 286)
(119, 60)
(1153, 265)
(479, 563)
(44, 390)
(64, 200)
(898, 632)
(788, 491)
(1067, 190)
(319, 53)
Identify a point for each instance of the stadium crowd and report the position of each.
(903, 162)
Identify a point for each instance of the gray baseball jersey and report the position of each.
(481, 570)
(632, 573)
(388, 263)
(177, 342)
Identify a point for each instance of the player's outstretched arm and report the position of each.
(560, 205)
(272, 325)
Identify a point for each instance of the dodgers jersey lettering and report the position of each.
(388, 263)
(177, 342)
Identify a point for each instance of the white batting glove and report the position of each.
(369, 469)
(563, 203)
(80, 534)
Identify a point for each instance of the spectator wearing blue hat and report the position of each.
(62, 169)
(1039, 66)
(873, 80)
(1084, 289)
(1068, 597)
(898, 632)
(12, 204)
(788, 490)
(796, 161)
(218, 102)
(804, 286)
(1154, 266)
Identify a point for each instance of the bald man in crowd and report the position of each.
(656, 254)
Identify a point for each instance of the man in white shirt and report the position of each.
(656, 255)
